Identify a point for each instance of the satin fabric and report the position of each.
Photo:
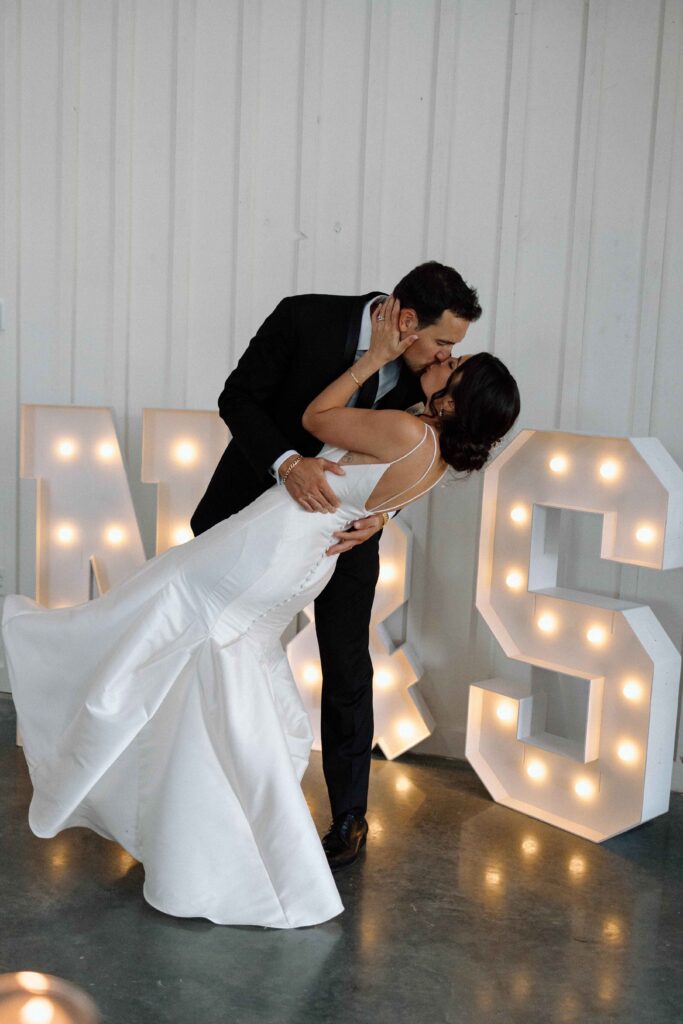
(163, 715)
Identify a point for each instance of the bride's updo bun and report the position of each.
(487, 404)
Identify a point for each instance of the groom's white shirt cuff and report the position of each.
(388, 375)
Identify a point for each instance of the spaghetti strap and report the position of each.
(378, 508)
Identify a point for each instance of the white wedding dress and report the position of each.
(163, 715)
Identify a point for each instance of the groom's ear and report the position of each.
(407, 319)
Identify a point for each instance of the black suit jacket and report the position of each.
(305, 343)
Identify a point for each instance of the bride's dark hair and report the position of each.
(487, 404)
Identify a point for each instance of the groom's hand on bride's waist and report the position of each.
(306, 482)
(360, 531)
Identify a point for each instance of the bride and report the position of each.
(163, 715)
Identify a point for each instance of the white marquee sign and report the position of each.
(619, 774)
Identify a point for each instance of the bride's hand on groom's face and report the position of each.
(361, 530)
(385, 342)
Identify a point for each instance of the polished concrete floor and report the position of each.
(458, 911)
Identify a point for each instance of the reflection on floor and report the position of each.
(459, 910)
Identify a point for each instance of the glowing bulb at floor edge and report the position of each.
(66, 534)
(609, 470)
(115, 535)
(514, 580)
(584, 788)
(403, 784)
(37, 1010)
(182, 534)
(577, 865)
(645, 534)
(518, 514)
(106, 451)
(506, 711)
(33, 981)
(405, 729)
(632, 690)
(66, 449)
(628, 752)
(536, 770)
(493, 876)
(596, 635)
(185, 453)
(382, 678)
(312, 674)
(530, 846)
(558, 464)
(547, 623)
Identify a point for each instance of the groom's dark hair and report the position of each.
(432, 288)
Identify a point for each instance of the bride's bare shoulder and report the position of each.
(400, 430)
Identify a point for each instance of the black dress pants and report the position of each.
(342, 622)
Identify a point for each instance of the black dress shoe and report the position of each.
(347, 835)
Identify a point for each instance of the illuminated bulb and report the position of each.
(66, 534)
(405, 729)
(492, 876)
(530, 846)
(547, 623)
(382, 678)
(632, 690)
(584, 788)
(597, 635)
(66, 449)
(32, 981)
(535, 770)
(403, 784)
(106, 451)
(514, 580)
(612, 930)
(185, 453)
(312, 674)
(628, 752)
(387, 572)
(645, 534)
(518, 514)
(114, 535)
(182, 534)
(558, 464)
(505, 711)
(609, 470)
(37, 1011)
(577, 865)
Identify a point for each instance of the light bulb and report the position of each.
(596, 635)
(38, 1010)
(547, 623)
(609, 470)
(66, 448)
(645, 534)
(514, 580)
(185, 453)
(66, 534)
(628, 752)
(312, 674)
(405, 729)
(182, 534)
(387, 572)
(32, 981)
(403, 784)
(115, 535)
(558, 464)
(536, 770)
(382, 678)
(106, 451)
(632, 690)
(493, 876)
(530, 846)
(506, 711)
(584, 788)
(519, 514)
(577, 865)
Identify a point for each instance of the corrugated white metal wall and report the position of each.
(171, 168)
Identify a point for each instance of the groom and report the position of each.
(305, 343)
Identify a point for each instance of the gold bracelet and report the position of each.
(386, 517)
(355, 378)
(290, 467)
